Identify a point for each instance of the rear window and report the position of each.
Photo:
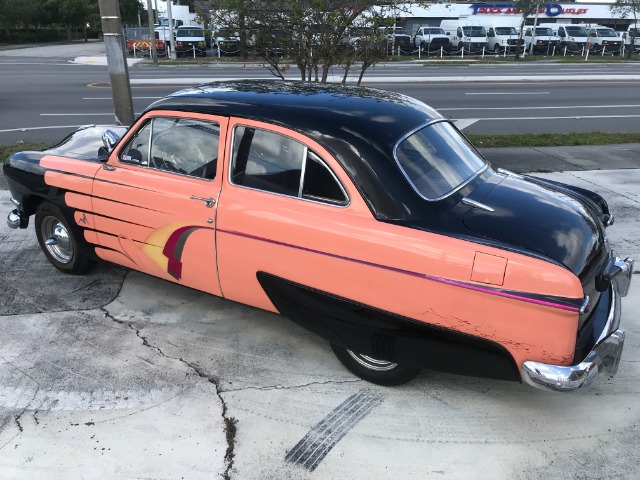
(437, 160)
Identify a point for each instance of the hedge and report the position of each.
(42, 35)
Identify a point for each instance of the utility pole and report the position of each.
(172, 39)
(152, 33)
(118, 72)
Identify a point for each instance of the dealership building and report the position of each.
(412, 16)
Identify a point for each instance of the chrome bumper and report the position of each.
(604, 358)
(15, 219)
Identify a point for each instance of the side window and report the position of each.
(266, 161)
(459, 32)
(181, 145)
(137, 151)
(275, 163)
(320, 184)
(527, 33)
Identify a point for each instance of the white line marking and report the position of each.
(538, 108)
(26, 129)
(48, 64)
(574, 117)
(403, 79)
(506, 93)
(465, 123)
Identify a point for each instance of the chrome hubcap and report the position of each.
(372, 363)
(58, 242)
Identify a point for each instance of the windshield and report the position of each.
(607, 32)
(437, 160)
(397, 30)
(227, 33)
(633, 32)
(433, 31)
(189, 32)
(474, 31)
(360, 31)
(506, 31)
(577, 31)
(544, 31)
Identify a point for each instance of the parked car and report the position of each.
(604, 38)
(632, 35)
(541, 40)
(227, 41)
(398, 40)
(191, 41)
(432, 39)
(574, 38)
(139, 47)
(472, 38)
(503, 38)
(362, 215)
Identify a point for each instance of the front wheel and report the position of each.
(381, 372)
(58, 242)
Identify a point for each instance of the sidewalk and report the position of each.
(559, 159)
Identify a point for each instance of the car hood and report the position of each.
(84, 142)
(542, 219)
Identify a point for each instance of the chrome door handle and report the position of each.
(209, 202)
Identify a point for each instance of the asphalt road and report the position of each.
(120, 375)
(43, 98)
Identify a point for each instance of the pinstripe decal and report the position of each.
(562, 303)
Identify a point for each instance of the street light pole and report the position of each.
(172, 39)
(152, 33)
(118, 72)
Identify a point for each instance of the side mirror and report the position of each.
(109, 140)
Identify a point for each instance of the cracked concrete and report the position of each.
(143, 380)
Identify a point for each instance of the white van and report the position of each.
(503, 37)
(502, 33)
(431, 39)
(465, 34)
(604, 38)
(574, 37)
(633, 30)
(541, 40)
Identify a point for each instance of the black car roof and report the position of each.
(359, 126)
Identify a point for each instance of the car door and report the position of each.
(155, 200)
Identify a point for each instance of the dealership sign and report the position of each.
(550, 9)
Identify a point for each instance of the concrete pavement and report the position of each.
(120, 375)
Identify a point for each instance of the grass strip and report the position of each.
(6, 150)
(552, 139)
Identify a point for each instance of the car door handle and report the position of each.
(209, 202)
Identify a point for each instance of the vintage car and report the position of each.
(362, 215)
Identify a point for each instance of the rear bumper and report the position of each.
(603, 358)
(17, 219)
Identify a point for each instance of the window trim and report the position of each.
(150, 120)
(302, 171)
(451, 192)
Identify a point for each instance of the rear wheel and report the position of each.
(58, 242)
(381, 372)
